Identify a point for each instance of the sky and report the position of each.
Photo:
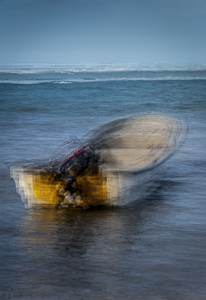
(102, 31)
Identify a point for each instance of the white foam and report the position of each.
(96, 68)
(109, 79)
(167, 78)
(25, 81)
(64, 82)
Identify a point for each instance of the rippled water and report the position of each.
(152, 249)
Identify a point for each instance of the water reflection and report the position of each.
(106, 252)
(77, 248)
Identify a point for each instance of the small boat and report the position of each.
(115, 165)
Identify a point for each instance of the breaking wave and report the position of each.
(24, 81)
(70, 81)
(98, 68)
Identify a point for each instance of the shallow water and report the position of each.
(152, 249)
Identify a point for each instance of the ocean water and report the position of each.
(151, 249)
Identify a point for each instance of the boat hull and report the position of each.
(129, 154)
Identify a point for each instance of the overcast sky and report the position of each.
(103, 31)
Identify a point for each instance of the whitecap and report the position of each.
(96, 68)
(25, 81)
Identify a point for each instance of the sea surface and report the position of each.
(152, 249)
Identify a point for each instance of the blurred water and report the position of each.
(153, 249)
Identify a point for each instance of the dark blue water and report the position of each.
(153, 249)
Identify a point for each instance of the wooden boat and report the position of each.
(122, 159)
